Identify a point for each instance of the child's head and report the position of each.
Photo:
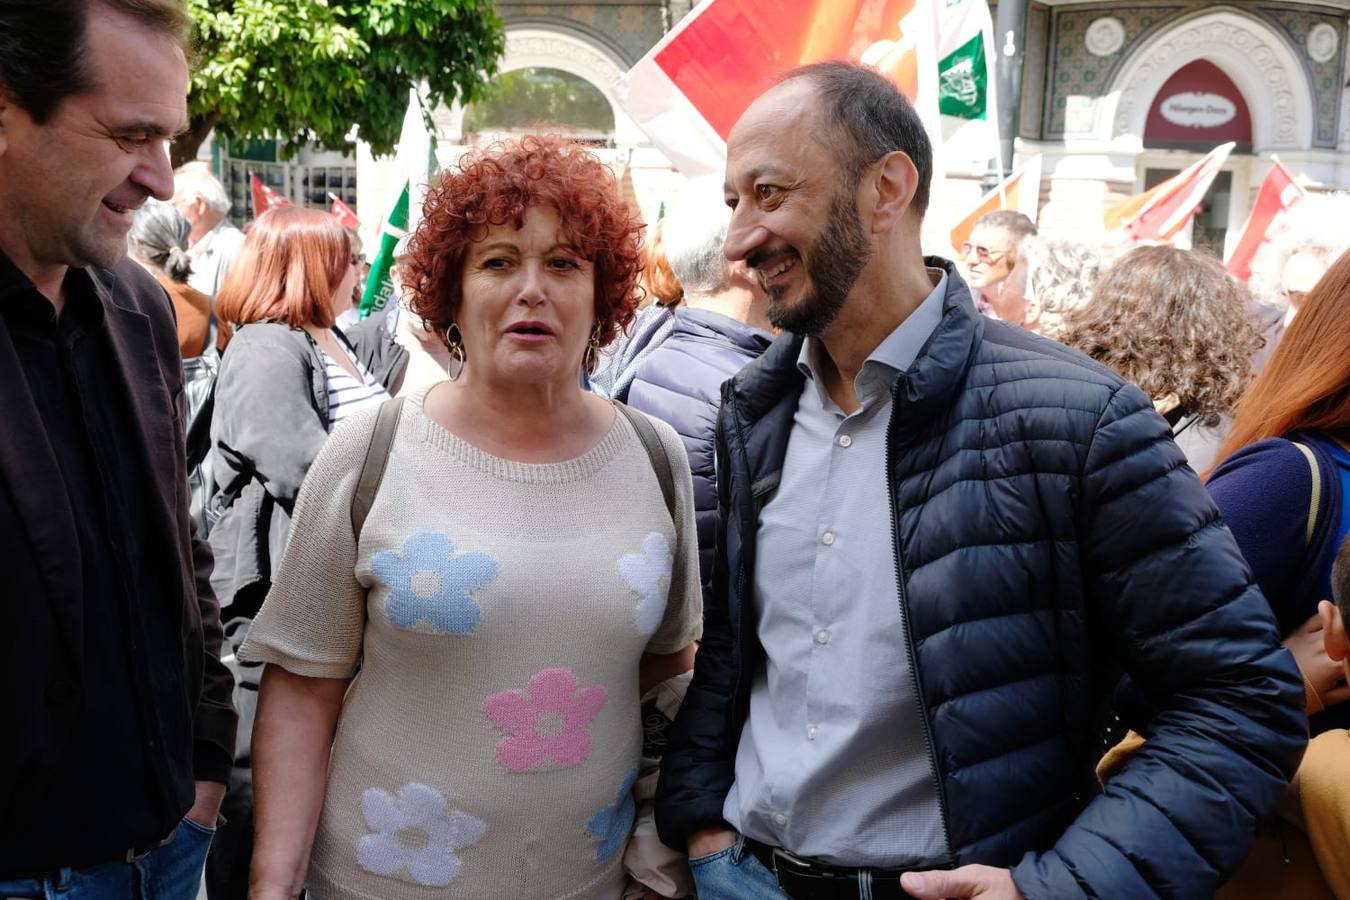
(1334, 615)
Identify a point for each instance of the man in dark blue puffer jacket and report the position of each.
(941, 541)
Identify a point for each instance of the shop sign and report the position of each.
(1198, 108)
(1194, 109)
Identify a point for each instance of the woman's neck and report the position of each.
(525, 422)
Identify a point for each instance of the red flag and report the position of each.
(343, 213)
(1160, 213)
(1277, 194)
(689, 90)
(264, 198)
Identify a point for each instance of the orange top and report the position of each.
(193, 309)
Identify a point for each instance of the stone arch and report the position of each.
(533, 46)
(1258, 60)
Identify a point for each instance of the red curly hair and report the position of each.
(496, 185)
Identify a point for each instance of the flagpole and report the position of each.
(1008, 47)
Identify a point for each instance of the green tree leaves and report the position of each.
(332, 71)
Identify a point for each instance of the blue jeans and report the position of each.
(734, 874)
(171, 872)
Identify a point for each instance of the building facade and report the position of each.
(1116, 96)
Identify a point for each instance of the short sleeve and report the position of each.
(683, 621)
(312, 621)
(1323, 794)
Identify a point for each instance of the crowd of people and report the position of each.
(756, 554)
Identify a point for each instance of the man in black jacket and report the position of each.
(941, 541)
(114, 705)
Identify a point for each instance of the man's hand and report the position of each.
(206, 808)
(710, 840)
(984, 882)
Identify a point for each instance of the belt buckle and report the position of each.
(802, 866)
(134, 855)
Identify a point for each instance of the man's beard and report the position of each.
(836, 259)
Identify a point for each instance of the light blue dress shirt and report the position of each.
(833, 763)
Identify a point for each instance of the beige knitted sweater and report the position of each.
(497, 611)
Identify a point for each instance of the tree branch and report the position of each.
(185, 148)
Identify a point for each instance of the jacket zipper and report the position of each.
(909, 635)
(739, 635)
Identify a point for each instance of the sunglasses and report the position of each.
(982, 254)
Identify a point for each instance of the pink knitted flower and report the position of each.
(547, 723)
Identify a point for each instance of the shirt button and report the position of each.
(822, 637)
(780, 819)
(845, 440)
(811, 733)
(827, 538)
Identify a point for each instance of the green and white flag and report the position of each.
(379, 285)
(964, 81)
(416, 158)
(967, 98)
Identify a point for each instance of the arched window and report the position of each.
(539, 99)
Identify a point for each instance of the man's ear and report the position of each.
(1334, 639)
(895, 183)
(1032, 317)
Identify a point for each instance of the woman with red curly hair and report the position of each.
(503, 609)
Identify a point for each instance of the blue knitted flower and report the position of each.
(613, 824)
(429, 585)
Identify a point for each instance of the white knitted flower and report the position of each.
(415, 832)
(649, 574)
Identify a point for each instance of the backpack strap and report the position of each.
(1315, 504)
(656, 452)
(377, 458)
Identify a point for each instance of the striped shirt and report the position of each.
(346, 395)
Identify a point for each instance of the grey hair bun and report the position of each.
(159, 236)
(177, 266)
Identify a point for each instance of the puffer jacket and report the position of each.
(1047, 536)
(680, 382)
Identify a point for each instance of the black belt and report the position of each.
(805, 879)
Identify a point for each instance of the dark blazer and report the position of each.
(41, 600)
(1047, 534)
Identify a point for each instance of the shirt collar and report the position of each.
(82, 301)
(897, 352)
(12, 279)
(206, 244)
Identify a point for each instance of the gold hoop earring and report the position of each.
(591, 359)
(454, 342)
